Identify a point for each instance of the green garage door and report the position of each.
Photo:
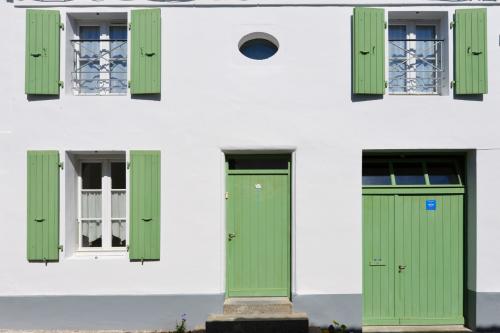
(413, 218)
(258, 226)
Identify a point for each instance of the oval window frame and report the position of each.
(259, 35)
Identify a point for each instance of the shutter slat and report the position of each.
(42, 52)
(471, 65)
(368, 51)
(146, 51)
(43, 205)
(144, 205)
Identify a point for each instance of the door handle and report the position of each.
(401, 268)
(230, 236)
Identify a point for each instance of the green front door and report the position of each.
(258, 226)
(413, 245)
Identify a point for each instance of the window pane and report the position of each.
(376, 174)
(426, 62)
(409, 174)
(442, 173)
(118, 178)
(91, 234)
(91, 175)
(258, 163)
(397, 58)
(89, 60)
(118, 204)
(118, 59)
(91, 204)
(118, 233)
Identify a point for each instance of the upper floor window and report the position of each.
(416, 64)
(100, 59)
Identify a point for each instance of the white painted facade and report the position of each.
(214, 100)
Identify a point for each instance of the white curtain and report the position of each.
(92, 230)
(91, 204)
(118, 229)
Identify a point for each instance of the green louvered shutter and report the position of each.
(368, 51)
(145, 77)
(42, 52)
(471, 59)
(43, 205)
(144, 205)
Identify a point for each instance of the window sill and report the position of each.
(97, 254)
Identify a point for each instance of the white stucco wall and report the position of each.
(213, 99)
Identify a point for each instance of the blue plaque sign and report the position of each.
(430, 204)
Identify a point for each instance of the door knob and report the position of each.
(230, 236)
(401, 268)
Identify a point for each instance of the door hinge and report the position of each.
(61, 165)
(226, 195)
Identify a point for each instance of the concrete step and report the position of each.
(419, 329)
(261, 323)
(257, 305)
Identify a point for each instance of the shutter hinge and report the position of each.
(386, 84)
(385, 25)
(61, 165)
(61, 84)
(130, 26)
(61, 248)
(129, 84)
(128, 247)
(227, 195)
(128, 167)
(452, 84)
(61, 26)
(452, 24)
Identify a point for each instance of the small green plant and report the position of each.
(181, 328)
(337, 327)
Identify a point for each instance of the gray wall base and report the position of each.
(323, 309)
(149, 312)
(487, 306)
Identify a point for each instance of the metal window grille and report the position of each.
(415, 66)
(99, 66)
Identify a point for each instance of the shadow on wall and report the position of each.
(34, 98)
(474, 98)
(150, 97)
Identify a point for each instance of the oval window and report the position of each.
(258, 46)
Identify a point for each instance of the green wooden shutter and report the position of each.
(144, 205)
(146, 52)
(471, 61)
(368, 51)
(43, 205)
(42, 52)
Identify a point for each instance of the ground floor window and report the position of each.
(102, 204)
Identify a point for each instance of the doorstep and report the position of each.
(420, 329)
(258, 314)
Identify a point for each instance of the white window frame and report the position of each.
(106, 219)
(105, 44)
(411, 33)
